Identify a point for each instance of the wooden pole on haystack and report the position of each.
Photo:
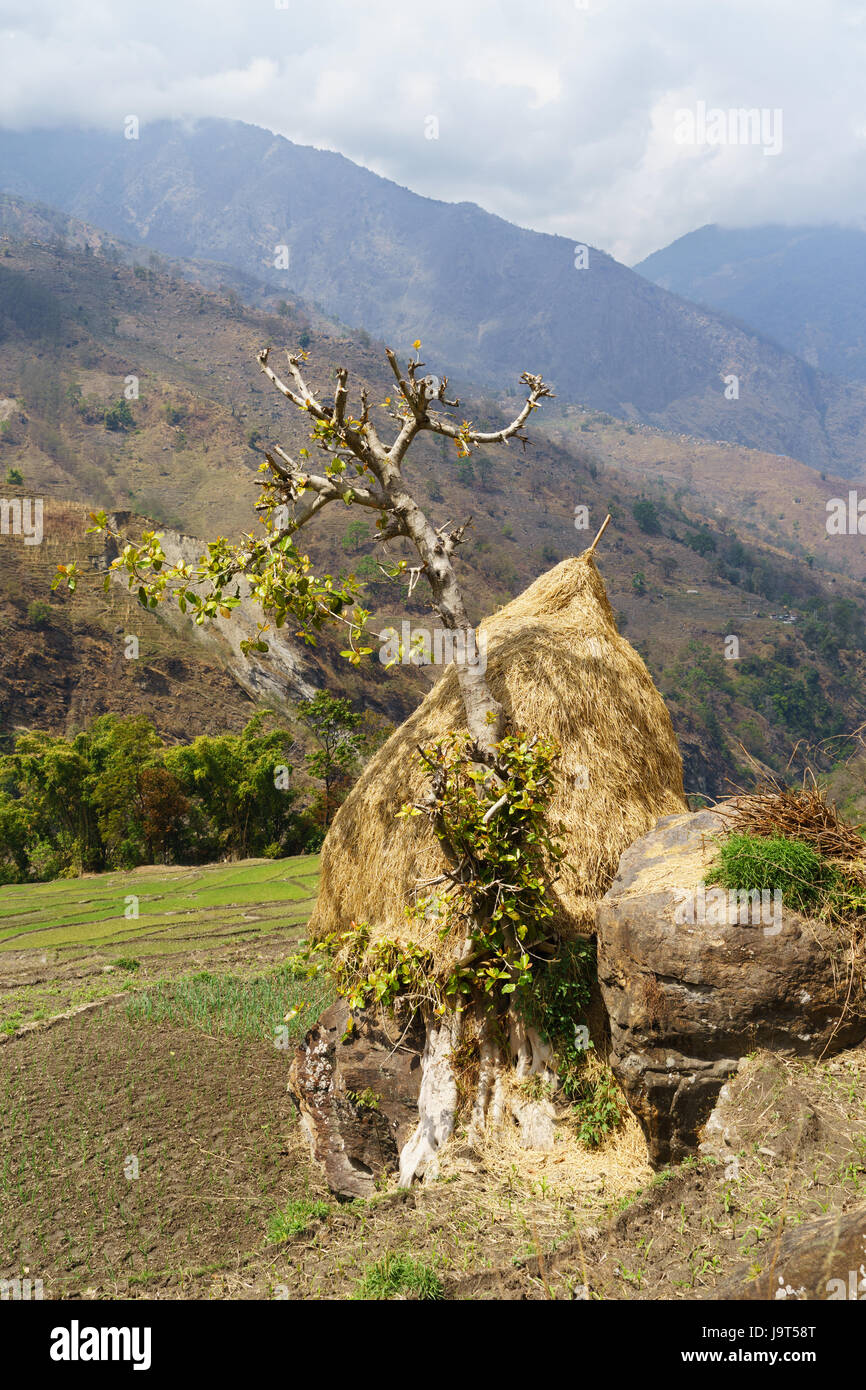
(599, 536)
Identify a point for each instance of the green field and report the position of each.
(75, 941)
(174, 906)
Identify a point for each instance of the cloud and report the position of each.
(559, 117)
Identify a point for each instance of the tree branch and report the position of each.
(330, 487)
(441, 425)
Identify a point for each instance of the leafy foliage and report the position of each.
(335, 727)
(119, 417)
(381, 972)
(502, 858)
(115, 796)
(647, 517)
(702, 542)
(280, 579)
(502, 855)
(559, 996)
(598, 1108)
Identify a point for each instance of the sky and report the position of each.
(596, 119)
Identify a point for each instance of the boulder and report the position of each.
(693, 980)
(357, 1094)
(821, 1259)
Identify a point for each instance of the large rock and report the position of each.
(821, 1259)
(357, 1096)
(688, 998)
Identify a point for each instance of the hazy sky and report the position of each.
(559, 115)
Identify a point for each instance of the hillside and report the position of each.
(770, 498)
(377, 256)
(75, 323)
(805, 287)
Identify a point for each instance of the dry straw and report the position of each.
(798, 813)
(560, 668)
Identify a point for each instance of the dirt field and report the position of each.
(150, 1150)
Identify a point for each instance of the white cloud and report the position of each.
(558, 117)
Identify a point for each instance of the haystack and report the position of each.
(560, 669)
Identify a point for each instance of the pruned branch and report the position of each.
(341, 436)
(440, 424)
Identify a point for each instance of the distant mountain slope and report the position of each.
(682, 573)
(488, 299)
(804, 286)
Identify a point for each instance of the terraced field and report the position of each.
(75, 941)
(149, 1147)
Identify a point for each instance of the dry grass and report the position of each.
(797, 813)
(560, 668)
(618, 1166)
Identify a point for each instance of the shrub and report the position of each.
(701, 542)
(646, 515)
(754, 862)
(119, 417)
(38, 613)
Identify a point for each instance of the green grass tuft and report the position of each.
(398, 1276)
(752, 862)
(295, 1219)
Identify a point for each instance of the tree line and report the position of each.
(116, 795)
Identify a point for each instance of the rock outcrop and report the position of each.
(357, 1095)
(693, 980)
(822, 1259)
(764, 1107)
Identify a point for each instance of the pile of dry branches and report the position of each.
(797, 813)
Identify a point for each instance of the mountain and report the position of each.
(76, 320)
(487, 299)
(805, 287)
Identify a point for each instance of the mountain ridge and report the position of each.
(486, 297)
(803, 285)
(679, 576)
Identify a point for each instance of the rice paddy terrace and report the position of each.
(73, 942)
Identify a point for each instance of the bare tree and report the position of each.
(386, 490)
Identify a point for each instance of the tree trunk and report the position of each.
(437, 1099)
